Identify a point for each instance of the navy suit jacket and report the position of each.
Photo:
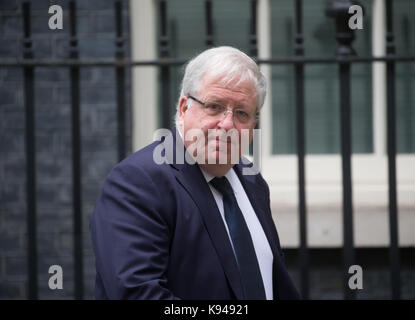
(157, 233)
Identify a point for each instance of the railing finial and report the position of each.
(339, 10)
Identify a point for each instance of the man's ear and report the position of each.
(182, 106)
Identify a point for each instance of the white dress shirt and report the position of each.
(259, 239)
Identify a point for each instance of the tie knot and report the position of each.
(222, 185)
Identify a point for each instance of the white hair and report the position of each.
(227, 64)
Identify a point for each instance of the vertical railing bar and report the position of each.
(253, 48)
(165, 69)
(253, 36)
(30, 138)
(209, 24)
(345, 124)
(76, 156)
(120, 79)
(391, 149)
(345, 36)
(300, 118)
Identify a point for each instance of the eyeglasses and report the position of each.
(219, 111)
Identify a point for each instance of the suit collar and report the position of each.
(191, 178)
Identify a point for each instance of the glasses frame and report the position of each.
(256, 116)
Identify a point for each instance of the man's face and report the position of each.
(242, 97)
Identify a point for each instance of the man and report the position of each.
(201, 229)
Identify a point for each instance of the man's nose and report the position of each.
(227, 121)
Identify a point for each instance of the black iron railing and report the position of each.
(344, 58)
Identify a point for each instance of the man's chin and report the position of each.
(217, 157)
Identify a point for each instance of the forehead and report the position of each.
(238, 93)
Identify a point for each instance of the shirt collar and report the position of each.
(209, 177)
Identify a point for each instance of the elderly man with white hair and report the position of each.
(198, 229)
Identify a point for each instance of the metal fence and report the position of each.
(344, 58)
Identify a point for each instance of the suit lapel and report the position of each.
(192, 180)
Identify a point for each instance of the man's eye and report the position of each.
(214, 107)
(241, 113)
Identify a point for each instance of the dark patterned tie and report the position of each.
(242, 242)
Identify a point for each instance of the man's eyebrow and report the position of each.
(216, 100)
(222, 101)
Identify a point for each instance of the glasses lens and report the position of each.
(219, 111)
(213, 109)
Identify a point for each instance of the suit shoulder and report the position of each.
(139, 167)
(140, 160)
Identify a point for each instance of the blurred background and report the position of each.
(74, 101)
